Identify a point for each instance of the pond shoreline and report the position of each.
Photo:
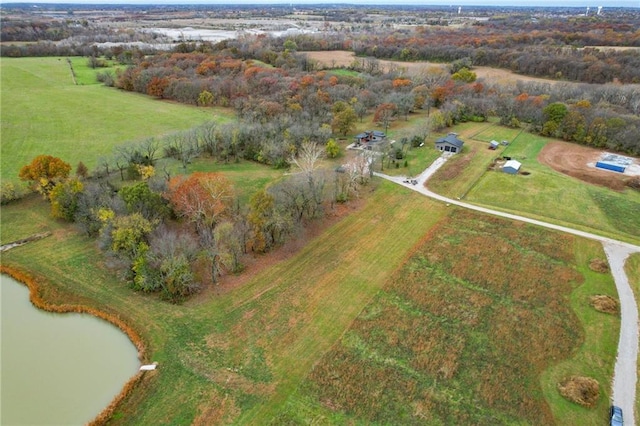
(36, 300)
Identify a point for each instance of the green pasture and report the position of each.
(86, 75)
(247, 177)
(43, 112)
(596, 356)
(549, 195)
(632, 268)
(344, 72)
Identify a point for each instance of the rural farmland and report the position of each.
(208, 199)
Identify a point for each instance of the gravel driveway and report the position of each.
(625, 374)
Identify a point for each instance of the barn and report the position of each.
(449, 143)
(512, 167)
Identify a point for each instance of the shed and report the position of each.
(494, 145)
(449, 143)
(511, 167)
(620, 168)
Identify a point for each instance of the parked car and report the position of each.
(615, 416)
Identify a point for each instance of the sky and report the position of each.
(593, 4)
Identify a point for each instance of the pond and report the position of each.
(57, 369)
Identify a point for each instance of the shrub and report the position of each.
(9, 193)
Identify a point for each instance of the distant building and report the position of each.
(449, 143)
(368, 138)
(512, 167)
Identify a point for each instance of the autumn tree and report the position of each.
(384, 114)
(205, 98)
(64, 199)
(157, 86)
(344, 118)
(464, 75)
(204, 199)
(44, 172)
(168, 265)
(229, 246)
(82, 171)
(141, 199)
(183, 146)
(261, 211)
(332, 148)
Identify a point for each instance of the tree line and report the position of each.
(173, 234)
(289, 100)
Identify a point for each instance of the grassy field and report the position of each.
(43, 112)
(462, 172)
(633, 272)
(402, 298)
(241, 352)
(449, 339)
(419, 323)
(543, 194)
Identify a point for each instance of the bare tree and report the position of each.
(148, 148)
(184, 146)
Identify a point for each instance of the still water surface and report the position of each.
(57, 369)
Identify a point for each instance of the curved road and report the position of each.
(625, 374)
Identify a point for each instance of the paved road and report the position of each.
(625, 375)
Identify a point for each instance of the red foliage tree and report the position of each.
(156, 86)
(202, 198)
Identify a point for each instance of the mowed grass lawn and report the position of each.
(43, 112)
(633, 272)
(544, 194)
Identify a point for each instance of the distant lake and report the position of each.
(57, 369)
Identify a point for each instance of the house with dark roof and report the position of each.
(449, 143)
(368, 138)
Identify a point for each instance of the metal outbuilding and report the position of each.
(611, 166)
(614, 162)
(512, 167)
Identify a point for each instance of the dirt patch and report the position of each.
(584, 391)
(599, 265)
(342, 58)
(573, 160)
(605, 304)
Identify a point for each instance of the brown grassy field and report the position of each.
(459, 335)
(342, 58)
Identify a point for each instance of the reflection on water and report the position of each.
(57, 369)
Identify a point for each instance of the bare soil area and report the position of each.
(577, 161)
(342, 58)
